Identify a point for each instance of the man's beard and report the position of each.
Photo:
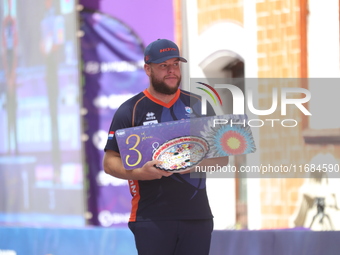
(162, 87)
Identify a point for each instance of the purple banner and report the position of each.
(113, 72)
(150, 19)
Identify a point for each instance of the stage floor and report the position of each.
(104, 241)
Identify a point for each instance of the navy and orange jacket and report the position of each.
(177, 197)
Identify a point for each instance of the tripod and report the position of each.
(320, 203)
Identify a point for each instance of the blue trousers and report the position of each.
(180, 237)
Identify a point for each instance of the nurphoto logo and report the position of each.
(209, 93)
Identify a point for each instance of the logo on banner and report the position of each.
(99, 139)
(106, 218)
(104, 179)
(92, 67)
(112, 101)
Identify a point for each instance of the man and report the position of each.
(9, 53)
(51, 49)
(170, 211)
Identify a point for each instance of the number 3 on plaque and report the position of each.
(133, 148)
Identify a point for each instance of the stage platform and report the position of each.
(119, 241)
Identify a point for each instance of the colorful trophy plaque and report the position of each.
(184, 143)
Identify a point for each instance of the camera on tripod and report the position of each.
(320, 206)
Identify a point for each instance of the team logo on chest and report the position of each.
(150, 119)
(188, 109)
(189, 112)
(150, 116)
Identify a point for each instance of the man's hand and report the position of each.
(113, 165)
(150, 172)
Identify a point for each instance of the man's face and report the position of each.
(165, 77)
